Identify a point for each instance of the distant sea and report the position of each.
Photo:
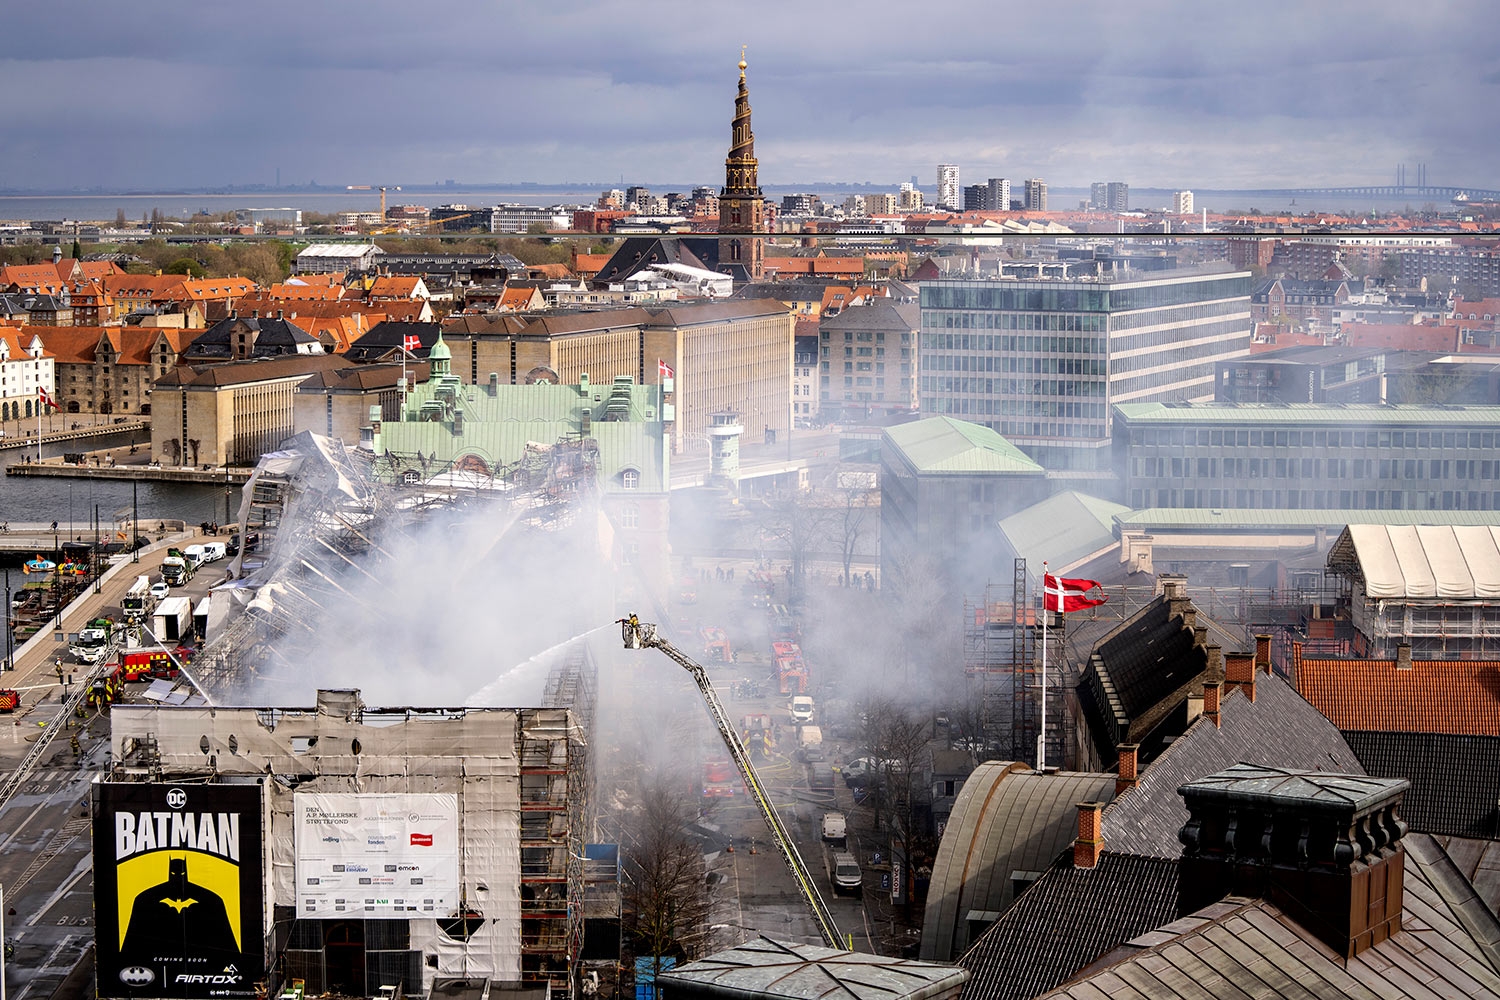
(103, 207)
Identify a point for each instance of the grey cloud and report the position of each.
(157, 94)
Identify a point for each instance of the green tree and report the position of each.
(187, 266)
(77, 249)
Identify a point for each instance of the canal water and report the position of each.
(70, 502)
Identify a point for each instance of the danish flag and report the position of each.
(410, 342)
(663, 370)
(1069, 595)
(46, 399)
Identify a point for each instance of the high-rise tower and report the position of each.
(741, 211)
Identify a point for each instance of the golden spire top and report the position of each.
(742, 62)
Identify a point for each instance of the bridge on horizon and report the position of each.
(1423, 192)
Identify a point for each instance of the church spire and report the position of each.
(741, 211)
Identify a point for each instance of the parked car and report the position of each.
(846, 874)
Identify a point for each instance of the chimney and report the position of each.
(1239, 672)
(1324, 848)
(1172, 586)
(1090, 842)
(1128, 773)
(278, 314)
(1215, 662)
(1403, 656)
(1213, 691)
(1263, 653)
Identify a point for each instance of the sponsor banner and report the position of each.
(374, 856)
(178, 875)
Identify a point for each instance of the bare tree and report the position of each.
(794, 519)
(858, 500)
(666, 894)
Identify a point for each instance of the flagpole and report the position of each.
(39, 398)
(1041, 738)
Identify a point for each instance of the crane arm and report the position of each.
(640, 635)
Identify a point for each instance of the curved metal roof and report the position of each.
(1007, 819)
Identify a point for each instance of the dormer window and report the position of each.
(630, 479)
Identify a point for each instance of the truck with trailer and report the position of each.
(173, 621)
(93, 641)
(175, 568)
(137, 604)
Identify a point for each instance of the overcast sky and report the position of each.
(1159, 93)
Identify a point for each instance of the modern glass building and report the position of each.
(1041, 361)
(1314, 456)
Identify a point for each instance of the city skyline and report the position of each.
(386, 93)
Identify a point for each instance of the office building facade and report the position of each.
(1041, 361)
(1309, 456)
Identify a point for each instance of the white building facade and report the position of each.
(25, 367)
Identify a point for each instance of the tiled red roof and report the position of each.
(1461, 697)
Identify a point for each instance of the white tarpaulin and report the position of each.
(1427, 561)
(377, 855)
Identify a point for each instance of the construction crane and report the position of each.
(641, 635)
(374, 187)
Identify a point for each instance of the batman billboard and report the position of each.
(178, 890)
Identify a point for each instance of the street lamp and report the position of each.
(10, 634)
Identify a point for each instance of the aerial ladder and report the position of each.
(641, 635)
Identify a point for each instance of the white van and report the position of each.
(195, 556)
(846, 874)
(810, 743)
(801, 709)
(835, 829)
(213, 551)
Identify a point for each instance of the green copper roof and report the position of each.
(946, 445)
(1062, 529)
(440, 351)
(1228, 518)
(1360, 415)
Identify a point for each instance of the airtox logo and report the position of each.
(137, 975)
(176, 798)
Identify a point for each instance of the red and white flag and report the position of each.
(663, 370)
(411, 342)
(46, 399)
(1062, 594)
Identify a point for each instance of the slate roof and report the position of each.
(1137, 675)
(1065, 529)
(1239, 948)
(388, 336)
(1277, 729)
(273, 337)
(876, 314)
(1455, 780)
(693, 314)
(362, 378)
(1433, 696)
(637, 253)
(946, 445)
(1066, 920)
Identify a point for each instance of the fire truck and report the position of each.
(146, 665)
(715, 644)
(10, 700)
(791, 672)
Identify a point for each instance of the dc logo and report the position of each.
(176, 798)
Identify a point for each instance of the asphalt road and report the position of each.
(45, 857)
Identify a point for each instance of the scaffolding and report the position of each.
(999, 653)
